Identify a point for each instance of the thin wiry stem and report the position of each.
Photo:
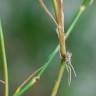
(58, 78)
(6, 92)
(59, 12)
(47, 11)
(26, 85)
(52, 55)
(62, 65)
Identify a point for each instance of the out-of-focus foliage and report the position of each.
(30, 37)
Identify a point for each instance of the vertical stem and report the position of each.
(58, 79)
(62, 67)
(59, 12)
(4, 61)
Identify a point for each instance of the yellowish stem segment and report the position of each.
(4, 61)
(59, 13)
(58, 79)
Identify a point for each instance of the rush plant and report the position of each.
(65, 56)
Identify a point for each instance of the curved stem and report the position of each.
(4, 61)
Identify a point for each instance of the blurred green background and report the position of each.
(30, 37)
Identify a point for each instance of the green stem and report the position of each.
(4, 61)
(20, 90)
(52, 55)
(73, 24)
(58, 79)
(62, 65)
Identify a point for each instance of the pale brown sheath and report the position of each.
(59, 11)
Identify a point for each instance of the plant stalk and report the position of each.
(58, 78)
(59, 15)
(82, 8)
(62, 65)
(6, 91)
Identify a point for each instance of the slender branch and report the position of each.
(6, 92)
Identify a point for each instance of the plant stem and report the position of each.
(59, 78)
(4, 61)
(74, 23)
(52, 55)
(59, 15)
(62, 65)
